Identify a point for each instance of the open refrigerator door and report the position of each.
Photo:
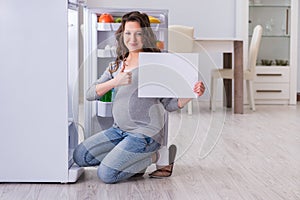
(39, 120)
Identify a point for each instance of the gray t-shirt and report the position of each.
(134, 114)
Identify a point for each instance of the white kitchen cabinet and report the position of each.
(275, 83)
(272, 85)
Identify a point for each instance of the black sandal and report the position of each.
(166, 171)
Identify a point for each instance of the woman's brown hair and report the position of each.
(149, 38)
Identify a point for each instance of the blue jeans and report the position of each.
(118, 154)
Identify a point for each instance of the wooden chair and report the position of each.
(249, 73)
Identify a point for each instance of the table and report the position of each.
(231, 48)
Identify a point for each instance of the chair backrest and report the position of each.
(181, 38)
(254, 48)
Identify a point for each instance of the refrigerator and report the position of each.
(39, 84)
(99, 51)
(39, 91)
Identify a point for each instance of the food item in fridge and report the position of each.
(118, 20)
(160, 44)
(107, 97)
(154, 20)
(106, 18)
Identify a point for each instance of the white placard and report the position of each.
(171, 75)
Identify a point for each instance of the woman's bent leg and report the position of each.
(130, 156)
(92, 151)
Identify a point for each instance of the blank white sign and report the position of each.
(171, 75)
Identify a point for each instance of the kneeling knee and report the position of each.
(107, 174)
(79, 155)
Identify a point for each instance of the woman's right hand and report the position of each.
(123, 78)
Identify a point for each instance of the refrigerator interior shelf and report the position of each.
(107, 53)
(115, 26)
(108, 26)
(155, 26)
(104, 109)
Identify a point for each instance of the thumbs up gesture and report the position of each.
(123, 78)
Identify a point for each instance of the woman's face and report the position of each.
(133, 36)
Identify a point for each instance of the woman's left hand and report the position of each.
(199, 88)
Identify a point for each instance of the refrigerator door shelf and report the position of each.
(104, 109)
(74, 173)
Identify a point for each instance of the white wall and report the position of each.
(213, 18)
